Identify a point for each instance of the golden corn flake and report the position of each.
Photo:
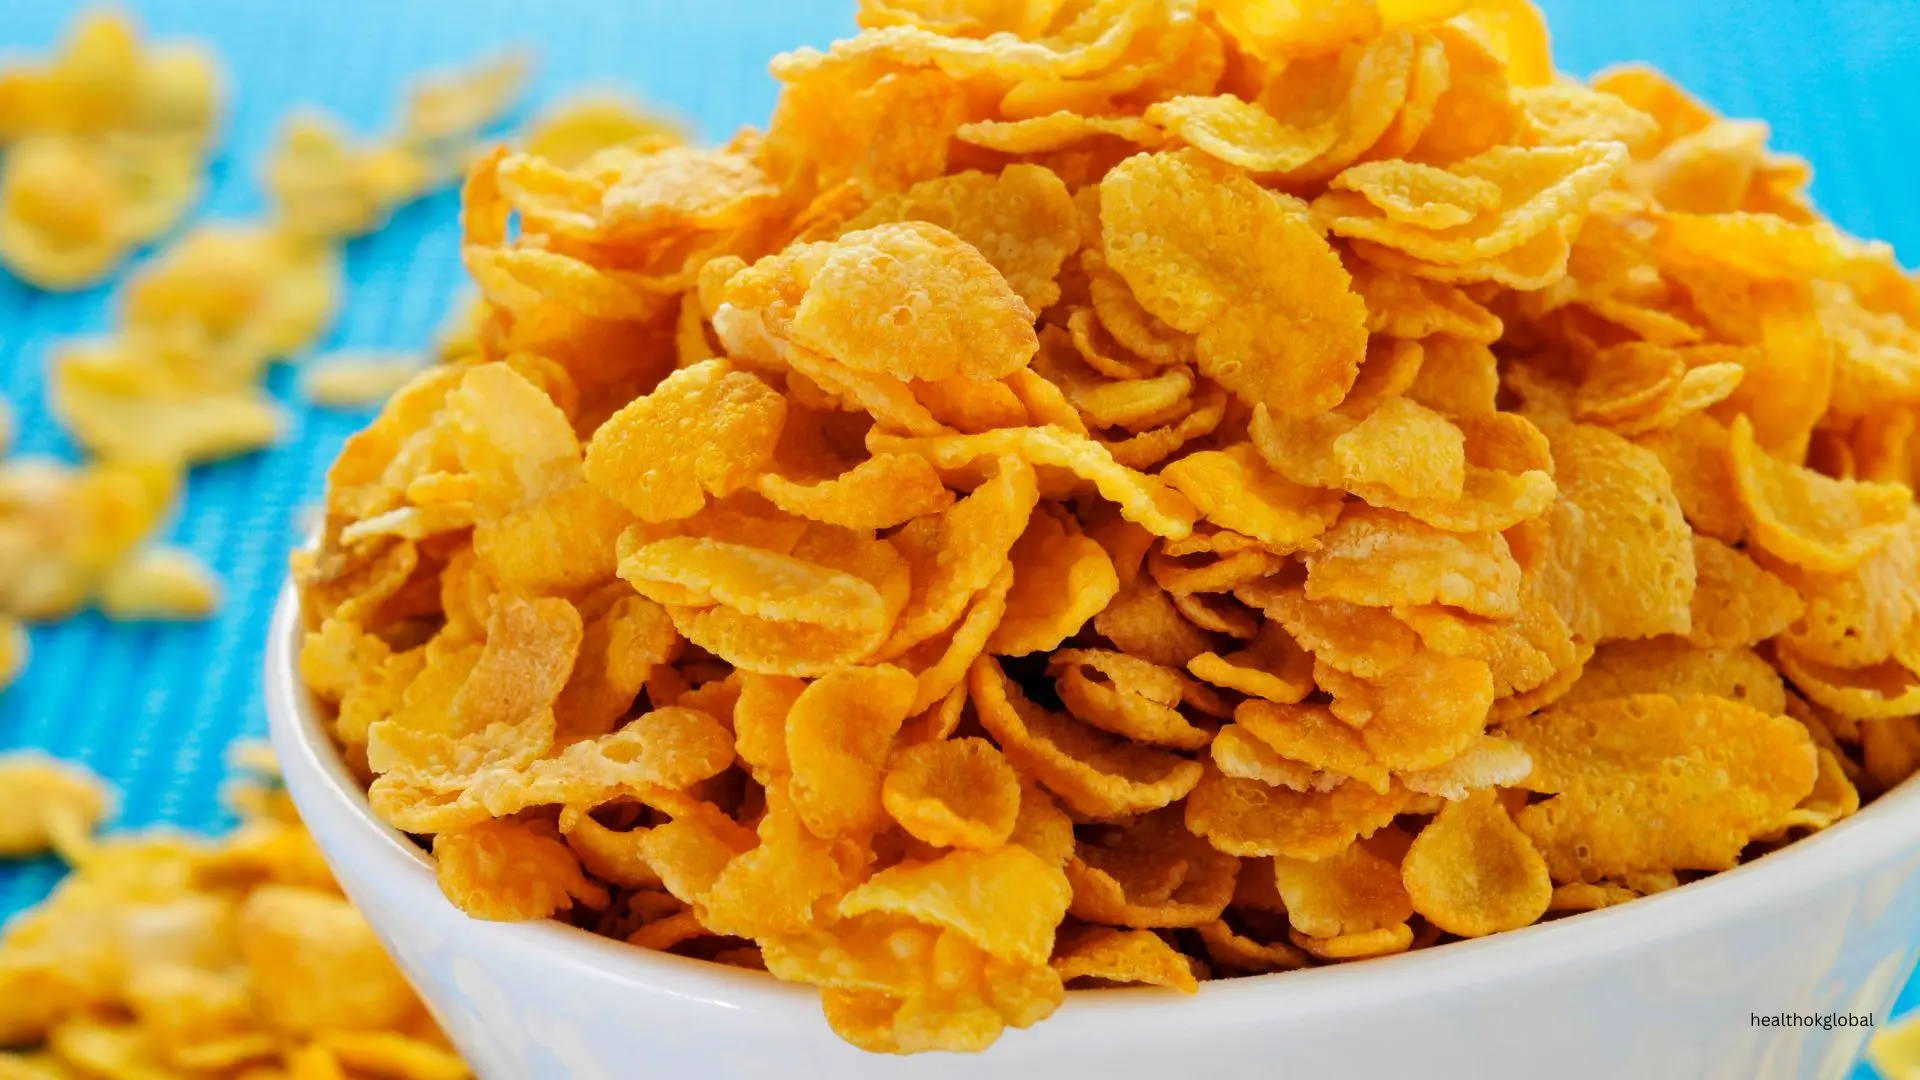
(913, 300)
(1151, 872)
(1311, 735)
(1240, 133)
(1014, 922)
(1635, 554)
(1055, 131)
(1141, 498)
(958, 793)
(1609, 764)
(357, 380)
(1250, 818)
(1421, 194)
(1362, 641)
(1806, 519)
(1357, 891)
(1238, 754)
(1472, 872)
(704, 431)
(695, 572)
(1093, 772)
(1859, 618)
(1117, 957)
(1406, 448)
(838, 733)
(1879, 691)
(1022, 221)
(1235, 490)
(1491, 761)
(880, 492)
(1736, 601)
(1418, 715)
(1273, 666)
(1378, 558)
(1110, 701)
(1259, 334)
(1666, 666)
(508, 871)
(1062, 578)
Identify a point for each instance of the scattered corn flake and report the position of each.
(357, 380)
(574, 130)
(52, 806)
(15, 649)
(160, 583)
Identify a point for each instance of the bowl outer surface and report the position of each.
(1664, 987)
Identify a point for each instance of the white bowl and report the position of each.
(1668, 986)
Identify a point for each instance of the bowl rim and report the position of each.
(1843, 853)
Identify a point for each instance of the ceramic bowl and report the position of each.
(1678, 985)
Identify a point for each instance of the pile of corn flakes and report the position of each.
(106, 148)
(1135, 491)
(165, 955)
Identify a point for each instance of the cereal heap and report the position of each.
(1135, 491)
(168, 956)
(106, 149)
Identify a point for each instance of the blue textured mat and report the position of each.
(151, 708)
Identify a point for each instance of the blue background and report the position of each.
(152, 708)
